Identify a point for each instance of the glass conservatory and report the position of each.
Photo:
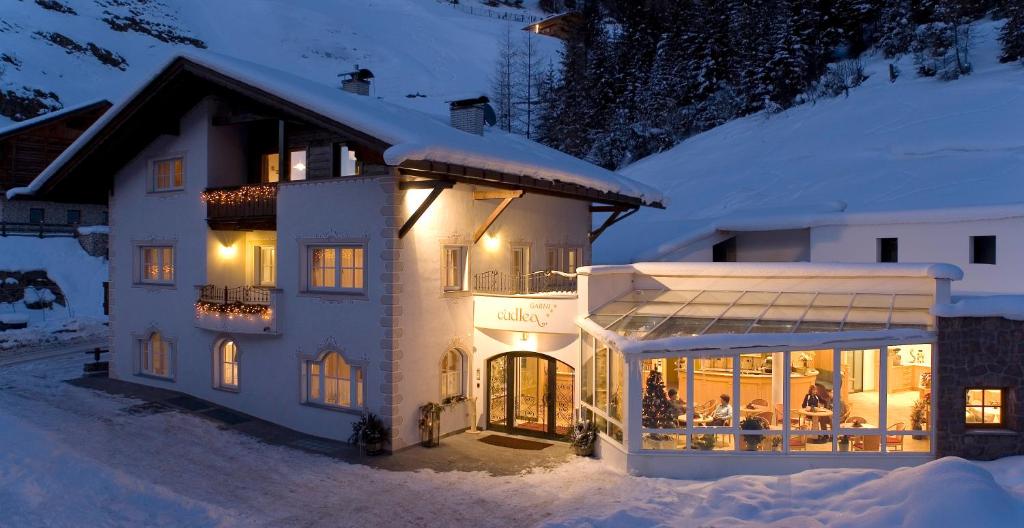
(761, 366)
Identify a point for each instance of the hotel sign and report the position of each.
(526, 314)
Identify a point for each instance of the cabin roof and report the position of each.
(407, 137)
(49, 117)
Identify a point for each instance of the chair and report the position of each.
(857, 419)
(759, 402)
(779, 416)
(895, 443)
(797, 443)
(767, 416)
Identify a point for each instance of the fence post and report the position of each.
(3, 229)
(225, 295)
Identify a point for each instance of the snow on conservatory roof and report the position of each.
(777, 305)
(411, 135)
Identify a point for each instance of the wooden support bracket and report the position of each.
(618, 215)
(436, 187)
(506, 198)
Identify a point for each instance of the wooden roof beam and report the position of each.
(506, 198)
(619, 215)
(436, 186)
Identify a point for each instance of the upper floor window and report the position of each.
(74, 216)
(451, 374)
(348, 163)
(154, 356)
(265, 262)
(985, 407)
(332, 381)
(227, 365)
(564, 259)
(169, 174)
(336, 267)
(36, 215)
(270, 166)
(888, 250)
(454, 272)
(983, 249)
(156, 264)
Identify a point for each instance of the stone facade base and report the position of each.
(973, 353)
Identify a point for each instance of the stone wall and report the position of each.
(95, 244)
(972, 353)
(18, 211)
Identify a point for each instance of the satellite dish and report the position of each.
(489, 116)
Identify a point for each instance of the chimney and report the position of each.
(357, 82)
(468, 115)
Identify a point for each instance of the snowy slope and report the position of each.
(412, 46)
(914, 144)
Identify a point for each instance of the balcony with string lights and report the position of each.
(245, 207)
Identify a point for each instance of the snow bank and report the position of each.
(946, 492)
(94, 229)
(1007, 306)
(42, 483)
(79, 275)
(891, 149)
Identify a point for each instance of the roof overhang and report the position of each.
(51, 117)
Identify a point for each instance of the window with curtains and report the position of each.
(331, 381)
(336, 268)
(154, 356)
(156, 264)
(168, 174)
(452, 366)
(454, 268)
(227, 365)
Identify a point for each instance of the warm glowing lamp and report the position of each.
(491, 243)
(227, 251)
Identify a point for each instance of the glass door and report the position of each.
(530, 394)
(497, 393)
(532, 397)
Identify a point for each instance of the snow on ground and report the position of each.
(79, 275)
(917, 143)
(73, 457)
(52, 333)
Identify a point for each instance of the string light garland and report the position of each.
(232, 309)
(241, 195)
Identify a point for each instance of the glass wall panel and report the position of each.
(768, 442)
(601, 378)
(801, 442)
(713, 391)
(909, 381)
(810, 391)
(760, 391)
(587, 370)
(617, 398)
(858, 387)
(664, 441)
(662, 406)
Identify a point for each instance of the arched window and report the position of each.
(332, 381)
(227, 365)
(451, 374)
(154, 356)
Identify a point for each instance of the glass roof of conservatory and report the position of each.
(657, 314)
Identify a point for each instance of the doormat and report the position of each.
(514, 443)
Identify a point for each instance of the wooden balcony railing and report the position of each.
(237, 295)
(498, 283)
(244, 207)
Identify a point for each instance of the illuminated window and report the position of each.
(227, 365)
(336, 268)
(169, 174)
(333, 382)
(154, 356)
(985, 407)
(451, 374)
(348, 163)
(270, 166)
(156, 264)
(454, 272)
(265, 261)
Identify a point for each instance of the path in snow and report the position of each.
(74, 457)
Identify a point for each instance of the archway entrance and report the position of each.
(530, 394)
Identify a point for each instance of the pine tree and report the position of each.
(657, 411)
(1012, 34)
(528, 73)
(503, 83)
(896, 28)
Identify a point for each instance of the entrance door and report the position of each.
(530, 394)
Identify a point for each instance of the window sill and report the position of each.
(456, 293)
(344, 410)
(165, 191)
(994, 431)
(154, 377)
(233, 390)
(336, 295)
(156, 285)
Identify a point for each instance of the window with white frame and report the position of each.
(264, 264)
(227, 365)
(454, 268)
(169, 174)
(339, 268)
(333, 382)
(154, 356)
(156, 264)
(564, 259)
(452, 374)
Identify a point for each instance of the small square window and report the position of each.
(74, 217)
(156, 264)
(36, 215)
(985, 407)
(168, 174)
(724, 251)
(339, 268)
(888, 250)
(983, 249)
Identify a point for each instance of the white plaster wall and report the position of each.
(790, 245)
(947, 242)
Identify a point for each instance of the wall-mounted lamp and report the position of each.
(227, 251)
(491, 242)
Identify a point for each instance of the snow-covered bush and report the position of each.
(837, 80)
(941, 50)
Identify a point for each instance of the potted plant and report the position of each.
(430, 424)
(704, 442)
(582, 438)
(752, 423)
(370, 433)
(844, 443)
(917, 417)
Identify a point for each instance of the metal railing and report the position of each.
(237, 295)
(41, 230)
(499, 283)
(492, 13)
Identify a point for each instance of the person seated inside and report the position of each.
(722, 414)
(811, 400)
(677, 405)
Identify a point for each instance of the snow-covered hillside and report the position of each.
(917, 143)
(95, 49)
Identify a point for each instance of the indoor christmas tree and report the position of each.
(657, 411)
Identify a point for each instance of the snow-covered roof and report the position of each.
(49, 116)
(1005, 306)
(412, 136)
(781, 269)
(890, 151)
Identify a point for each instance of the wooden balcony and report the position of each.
(540, 282)
(242, 309)
(242, 208)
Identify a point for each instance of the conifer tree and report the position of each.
(1012, 35)
(657, 411)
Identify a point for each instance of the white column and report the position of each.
(634, 404)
